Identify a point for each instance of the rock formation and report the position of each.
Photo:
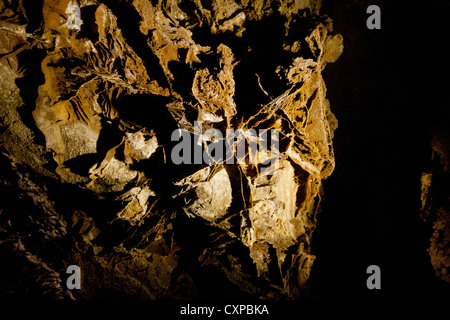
(436, 203)
(91, 95)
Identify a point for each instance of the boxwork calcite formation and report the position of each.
(91, 93)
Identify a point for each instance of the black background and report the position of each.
(387, 90)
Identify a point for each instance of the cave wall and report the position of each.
(96, 94)
(87, 116)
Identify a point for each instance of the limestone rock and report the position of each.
(91, 92)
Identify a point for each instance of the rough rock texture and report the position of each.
(436, 203)
(89, 103)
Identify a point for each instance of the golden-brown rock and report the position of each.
(119, 77)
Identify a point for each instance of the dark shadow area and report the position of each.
(110, 136)
(81, 164)
(33, 9)
(128, 20)
(89, 28)
(195, 236)
(257, 54)
(27, 218)
(183, 76)
(28, 85)
(150, 111)
(264, 39)
(147, 110)
(382, 99)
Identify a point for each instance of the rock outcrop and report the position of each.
(436, 203)
(93, 95)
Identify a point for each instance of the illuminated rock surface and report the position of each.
(89, 103)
